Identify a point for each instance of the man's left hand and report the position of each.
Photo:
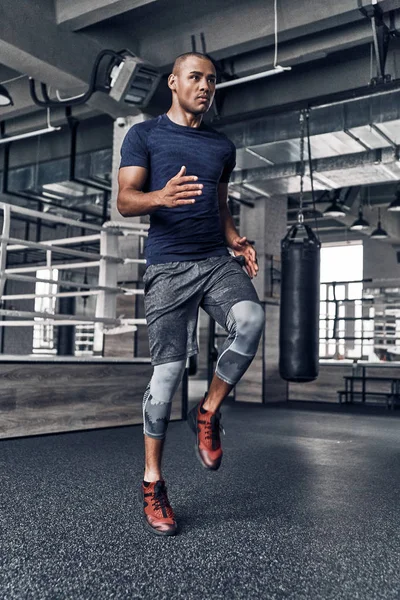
(241, 247)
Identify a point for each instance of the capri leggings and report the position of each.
(173, 294)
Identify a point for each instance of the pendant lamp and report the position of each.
(379, 233)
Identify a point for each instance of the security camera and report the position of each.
(121, 122)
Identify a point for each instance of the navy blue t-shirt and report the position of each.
(192, 231)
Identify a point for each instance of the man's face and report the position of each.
(194, 85)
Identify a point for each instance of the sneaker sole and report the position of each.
(192, 422)
(147, 524)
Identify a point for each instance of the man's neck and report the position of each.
(181, 117)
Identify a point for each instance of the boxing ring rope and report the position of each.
(106, 261)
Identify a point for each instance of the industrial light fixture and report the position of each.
(334, 210)
(360, 223)
(125, 78)
(379, 233)
(133, 81)
(5, 98)
(395, 204)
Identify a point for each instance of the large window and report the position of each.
(345, 331)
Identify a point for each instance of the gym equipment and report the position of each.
(299, 309)
(300, 285)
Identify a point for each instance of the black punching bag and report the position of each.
(299, 309)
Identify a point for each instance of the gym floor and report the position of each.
(305, 506)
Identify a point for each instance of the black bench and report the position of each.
(349, 392)
(388, 396)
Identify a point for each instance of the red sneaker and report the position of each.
(206, 425)
(158, 515)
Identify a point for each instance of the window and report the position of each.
(345, 332)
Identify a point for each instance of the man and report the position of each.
(177, 169)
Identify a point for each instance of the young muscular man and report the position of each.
(176, 169)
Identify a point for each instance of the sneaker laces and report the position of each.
(160, 500)
(213, 427)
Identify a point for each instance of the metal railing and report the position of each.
(106, 261)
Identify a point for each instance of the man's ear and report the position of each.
(171, 82)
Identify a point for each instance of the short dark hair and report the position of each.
(182, 58)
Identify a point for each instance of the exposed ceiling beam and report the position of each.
(338, 118)
(77, 14)
(305, 85)
(351, 195)
(361, 168)
(227, 33)
(305, 49)
(39, 49)
(41, 52)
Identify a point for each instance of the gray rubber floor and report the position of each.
(305, 506)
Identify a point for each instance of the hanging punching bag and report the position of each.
(299, 308)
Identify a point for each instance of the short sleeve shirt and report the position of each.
(192, 231)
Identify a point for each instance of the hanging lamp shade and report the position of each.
(379, 233)
(360, 223)
(334, 210)
(395, 204)
(5, 98)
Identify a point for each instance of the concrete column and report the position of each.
(123, 345)
(252, 225)
(265, 224)
(129, 246)
(106, 303)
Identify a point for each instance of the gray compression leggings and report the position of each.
(245, 323)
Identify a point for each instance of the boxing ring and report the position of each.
(45, 394)
(104, 318)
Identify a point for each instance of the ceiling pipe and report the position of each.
(28, 134)
(253, 77)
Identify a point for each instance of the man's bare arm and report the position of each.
(133, 202)
(240, 245)
(228, 226)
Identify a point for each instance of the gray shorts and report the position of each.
(175, 290)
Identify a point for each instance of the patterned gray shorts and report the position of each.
(175, 290)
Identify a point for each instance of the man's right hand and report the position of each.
(180, 190)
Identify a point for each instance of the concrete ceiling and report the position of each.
(327, 44)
